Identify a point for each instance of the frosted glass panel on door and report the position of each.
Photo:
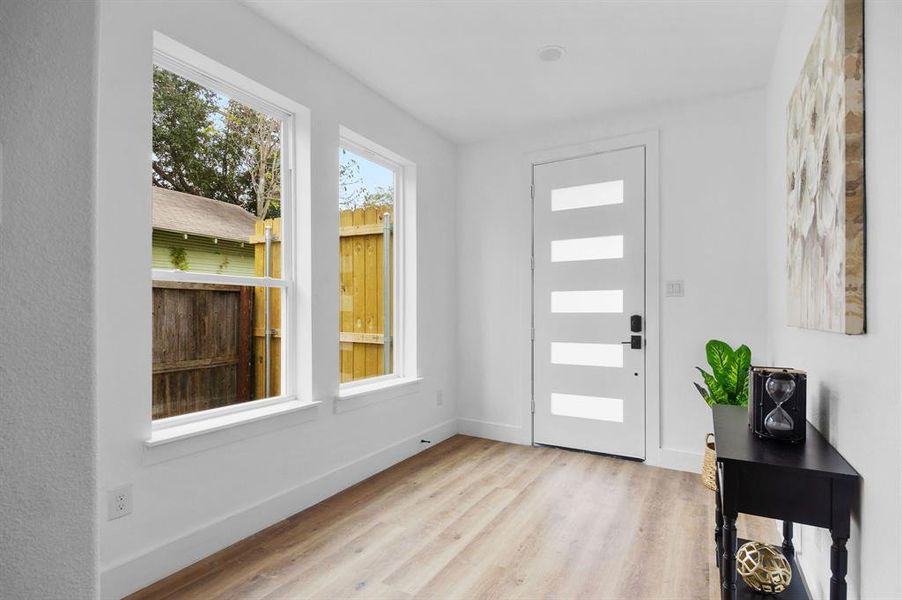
(587, 355)
(593, 248)
(586, 196)
(587, 407)
(587, 301)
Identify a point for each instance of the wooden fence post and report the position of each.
(275, 307)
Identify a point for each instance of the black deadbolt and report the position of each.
(636, 323)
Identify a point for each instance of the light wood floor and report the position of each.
(472, 518)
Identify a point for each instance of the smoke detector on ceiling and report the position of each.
(551, 53)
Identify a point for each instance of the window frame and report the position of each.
(293, 285)
(404, 354)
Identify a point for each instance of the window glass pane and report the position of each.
(366, 262)
(210, 346)
(216, 176)
(217, 209)
(593, 248)
(590, 355)
(585, 196)
(587, 407)
(587, 301)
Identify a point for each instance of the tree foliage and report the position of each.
(352, 189)
(212, 146)
(209, 145)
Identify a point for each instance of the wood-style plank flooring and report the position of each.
(472, 518)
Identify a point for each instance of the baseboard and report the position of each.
(140, 571)
(680, 460)
(667, 458)
(500, 432)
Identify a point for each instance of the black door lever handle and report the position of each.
(635, 342)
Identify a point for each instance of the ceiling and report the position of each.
(470, 68)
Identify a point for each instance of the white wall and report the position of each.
(853, 381)
(48, 537)
(189, 506)
(712, 237)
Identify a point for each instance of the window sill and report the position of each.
(165, 436)
(357, 396)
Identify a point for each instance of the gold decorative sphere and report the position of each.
(763, 568)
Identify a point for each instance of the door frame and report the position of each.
(650, 141)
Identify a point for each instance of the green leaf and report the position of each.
(705, 395)
(742, 399)
(742, 360)
(719, 354)
(718, 394)
(737, 370)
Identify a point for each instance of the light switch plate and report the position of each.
(674, 288)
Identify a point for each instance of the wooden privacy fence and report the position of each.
(209, 340)
(362, 311)
(199, 361)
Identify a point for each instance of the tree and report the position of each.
(256, 139)
(352, 190)
(209, 145)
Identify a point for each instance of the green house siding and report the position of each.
(201, 254)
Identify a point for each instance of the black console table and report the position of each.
(809, 483)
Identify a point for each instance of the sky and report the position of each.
(373, 175)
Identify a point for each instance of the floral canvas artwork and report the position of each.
(825, 178)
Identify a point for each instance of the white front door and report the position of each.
(588, 285)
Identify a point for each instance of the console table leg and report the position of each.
(718, 526)
(839, 564)
(728, 559)
(788, 548)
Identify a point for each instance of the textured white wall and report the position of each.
(191, 505)
(712, 237)
(47, 411)
(853, 381)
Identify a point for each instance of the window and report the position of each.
(223, 209)
(373, 275)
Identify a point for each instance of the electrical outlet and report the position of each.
(119, 502)
(439, 399)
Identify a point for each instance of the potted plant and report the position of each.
(727, 383)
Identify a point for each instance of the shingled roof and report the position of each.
(187, 213)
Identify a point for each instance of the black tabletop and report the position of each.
(735, 442)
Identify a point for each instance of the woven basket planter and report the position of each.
(709, 464)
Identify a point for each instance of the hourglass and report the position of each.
(779, 386)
